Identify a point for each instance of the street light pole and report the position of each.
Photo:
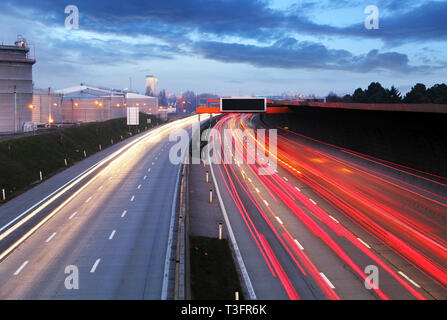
(15, 109)
(49, 107)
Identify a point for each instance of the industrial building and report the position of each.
(22, 105)
(43, 104)
(16, 86)
(87, 103)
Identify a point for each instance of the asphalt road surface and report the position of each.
(113, 228)
(326, 222)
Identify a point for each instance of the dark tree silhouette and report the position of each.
(375, 93)
(347, 98)
(359, 96)
(417, 94)
(394, 96)
(333, 97)
(438, 93)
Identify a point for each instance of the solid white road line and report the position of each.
(21, 267)
(364, 243)
(72, 216)
(95, 266)
(408, 278)
(50, 237)
(112, 235)
(327, 280)
(123, 214)
(236, 250)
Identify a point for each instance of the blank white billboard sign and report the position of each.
(133, 118)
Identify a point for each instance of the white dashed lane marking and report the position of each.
(72, 216)
(409, 280)
(364, 243)
(333, 218)
(298, 244)
(21, 267)
(50, 237)
(327, 280)
(95, 266)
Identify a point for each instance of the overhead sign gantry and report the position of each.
(243, 105)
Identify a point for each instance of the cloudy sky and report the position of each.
(233, 47)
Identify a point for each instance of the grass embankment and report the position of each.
(22, 159)
(213, 272)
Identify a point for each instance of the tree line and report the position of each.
(375, 93)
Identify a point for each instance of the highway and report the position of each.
(326, 220)
(115, 226)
